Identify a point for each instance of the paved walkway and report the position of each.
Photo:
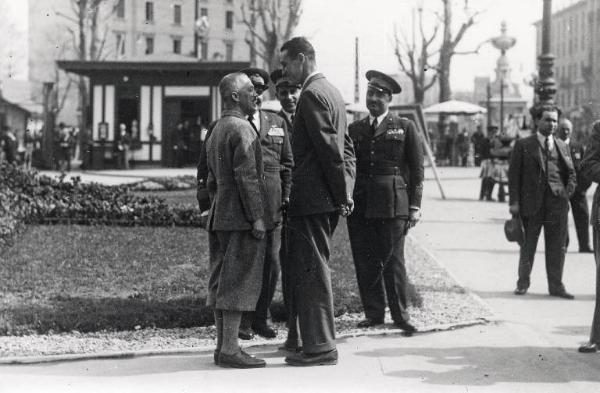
(530, 348)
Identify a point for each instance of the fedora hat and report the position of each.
(513, 230)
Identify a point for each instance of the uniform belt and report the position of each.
(374, 170)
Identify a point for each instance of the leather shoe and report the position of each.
(407, 327)
(586, 250)
(291, 345)
(520, 291)
(589, 347)
(240, 360)
(563, 294)
(368, 322)
(245, 334)
(264, 331)
(302, 359)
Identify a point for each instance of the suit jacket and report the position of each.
(389, 167)
(577, 152)
(590, 170)
(235, 179)
(277, 162)
(324, 162)
(527, 178)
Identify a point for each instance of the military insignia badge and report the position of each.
(275, 131)
(395, 131)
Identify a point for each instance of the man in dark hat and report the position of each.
(387, 202)
(287, 94)
(277, 163)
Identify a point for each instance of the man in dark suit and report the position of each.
(287, 94)
(322, 183)
(541, 180)
(236, 221)
(387, 201)
(579, 204)
(277, 164)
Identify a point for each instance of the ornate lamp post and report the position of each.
(546, 85)
(503, 42)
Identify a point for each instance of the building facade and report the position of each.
(576, 67)
(131, 30)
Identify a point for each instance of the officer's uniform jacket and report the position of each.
(389, 165)
(277, 162)
(235, 180)
(577, 151)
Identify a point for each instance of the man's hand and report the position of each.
(258, 228)
(346, 209)
(414, 216)
(514, 209)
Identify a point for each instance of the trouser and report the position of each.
(378, 252)
(552, 216)
(286, 285)
(269, 281)
(595, 331)
(487, 186)
(581, 217)
(309, 251)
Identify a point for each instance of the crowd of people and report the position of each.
(272, 188)
(19, 149)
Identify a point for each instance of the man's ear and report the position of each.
(235, 96)
(301, 58)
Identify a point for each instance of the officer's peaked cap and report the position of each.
(256, 71)
(382, 81)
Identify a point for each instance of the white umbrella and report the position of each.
(454, 107)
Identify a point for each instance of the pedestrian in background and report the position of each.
(579, 204)
(387, 202)
(322, 183)
(541, 180)
(237, 220)
(590, 169)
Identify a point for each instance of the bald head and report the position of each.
(565, 128)
(238, 92)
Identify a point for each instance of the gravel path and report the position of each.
(445, 303)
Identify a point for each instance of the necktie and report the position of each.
(547, 151)
(374, 126)
(251, 120)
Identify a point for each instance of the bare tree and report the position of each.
(13, 40)
(450, 43)
(415, 58)
(270, 23)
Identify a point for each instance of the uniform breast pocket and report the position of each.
(394, 143)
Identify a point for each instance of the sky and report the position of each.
(332, 26)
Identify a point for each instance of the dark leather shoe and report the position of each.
(245, 334)
(563, 294)
(586, 250)
(520, 291)
(264, 331)
(302, 359)
(368, 322)
(588, 348)
(240, 360)
(407, 327)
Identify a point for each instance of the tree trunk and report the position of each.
(446, 54)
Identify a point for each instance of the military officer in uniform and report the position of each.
(277, 164)
(387, 197)
(579, 204)
(287, 93)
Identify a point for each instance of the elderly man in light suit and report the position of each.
(236, 219)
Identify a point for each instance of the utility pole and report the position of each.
(546, 86)
(356, 73)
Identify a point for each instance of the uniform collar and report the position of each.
(379, 118)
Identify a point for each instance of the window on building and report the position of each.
(229, 20)
(119, 44)
(204, 11)
(177, 14)
(149, 45)
(149, 11)
(177, 45)
(121, 9)
(204, 50)
(229, 51)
